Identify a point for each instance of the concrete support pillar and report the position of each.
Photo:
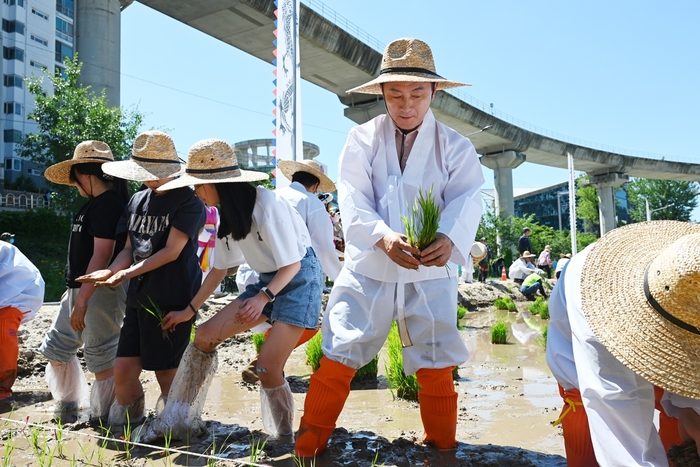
(502, 165)
(606, 185)
(97, 41)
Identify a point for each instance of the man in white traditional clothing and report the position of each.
(612, 344)
(384, 164)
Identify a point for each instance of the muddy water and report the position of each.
(507, 396)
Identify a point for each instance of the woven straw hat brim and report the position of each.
(223, 177)
(478, 252)
(60, 173)
(619, 314)
(374, 86)
(289, 168)
(142, 171)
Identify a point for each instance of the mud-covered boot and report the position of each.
(130, 414)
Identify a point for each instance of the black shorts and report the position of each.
(142, 336)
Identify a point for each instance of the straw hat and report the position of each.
(407, 60)
(289, 168)
(86, 152)
(153, 158)
(212, 161)
(478, 252)
(548, 248)
(527, 254)
(645, 307)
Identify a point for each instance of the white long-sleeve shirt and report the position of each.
(520, 269)
(618, 402)
(373, 193)
(317, 220)
(21, 284)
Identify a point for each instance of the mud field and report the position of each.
(507, 397)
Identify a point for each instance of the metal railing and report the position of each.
(24, 201)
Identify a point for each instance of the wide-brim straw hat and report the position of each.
(407, 60)
(153, 157)
(478, 252)
(289, 168)
(527, 254)
(212, 161)
(640, 293)
(87, 152)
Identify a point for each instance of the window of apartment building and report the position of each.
(12, 163)
(65, 7)
(40, 14)
(36, 172)
(40, 40)
(13, 53)
(13, 80)
(64, 29)
(12, 108)
(12, 136)
(36, 64)
(63, 51)
(12, 26)
(14, 2)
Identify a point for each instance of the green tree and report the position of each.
(587, 204)
(68, 113)
(678, 199)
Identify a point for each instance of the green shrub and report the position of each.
(258, 341)
(505, 303)
(406, 387)
(461, 312)
(499, 333)
(314, 352)
(539, 307)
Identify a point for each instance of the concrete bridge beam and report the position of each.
(97, 41)
(502, 165)
(606, 185)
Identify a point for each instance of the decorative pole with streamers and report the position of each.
(287, 92)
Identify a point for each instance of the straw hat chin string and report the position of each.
(153, 158)
(645, 307)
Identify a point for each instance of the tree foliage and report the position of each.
(587, 204)
(68, 113)
(672, 200)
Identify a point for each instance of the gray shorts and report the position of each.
(103, 322)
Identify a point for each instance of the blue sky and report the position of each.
(622, 76)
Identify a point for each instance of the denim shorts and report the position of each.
(299, 302)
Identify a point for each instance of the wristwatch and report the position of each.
(268, 293)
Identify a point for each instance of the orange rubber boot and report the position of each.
(328, 390)
(577, 435)
(438, 406)
(668, 426)
(10, 318)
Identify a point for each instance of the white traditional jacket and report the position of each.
(373, 194)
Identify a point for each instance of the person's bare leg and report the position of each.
(221, 326)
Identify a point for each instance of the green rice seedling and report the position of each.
(544, 311)
(87, 459)
(168, 437)
(422, 222)
(258, 341)
(256, 449)
(58, 435)
(461, 312)
(300, 462)
(102, 452)
(314, 352)
(193, 333)
(505, 303)
(499, 333)
(158, 314)
(542, 340)
(535, 306)
(33, 439)
(46, 455)
(406, 387)
(374, 461)
(368, 372)
(7, 449)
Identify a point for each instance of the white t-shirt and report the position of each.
(278, 237)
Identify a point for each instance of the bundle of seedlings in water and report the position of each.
(314, 352)
(406, 387)
(367, 373)
(539, 307)
(542, 340)
(422, 222)
(499, 333)
(158, 314)
(258, 341)
(684, 455)
(505, 303)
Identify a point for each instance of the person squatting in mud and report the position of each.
(160, 262)
(262, 229)
(621, 348)
(88, 316)
(383, 165)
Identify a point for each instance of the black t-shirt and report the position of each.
(150, 217)
(98, 218)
